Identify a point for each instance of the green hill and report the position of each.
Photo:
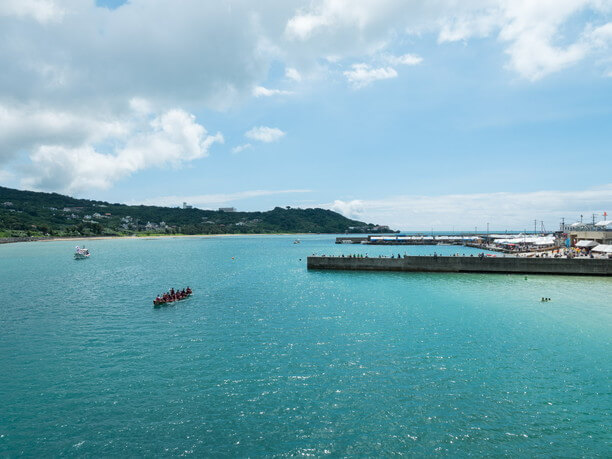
(29, 213)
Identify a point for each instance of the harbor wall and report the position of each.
(517, 265)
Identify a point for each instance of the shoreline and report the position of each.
(152, 236)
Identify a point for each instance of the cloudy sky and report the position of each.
(440, 114)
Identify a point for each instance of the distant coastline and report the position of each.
(29, 214)
(14, 240)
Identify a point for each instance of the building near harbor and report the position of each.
(587, 235)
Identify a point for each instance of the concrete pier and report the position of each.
(505, 265)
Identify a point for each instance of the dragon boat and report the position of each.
(160, 301)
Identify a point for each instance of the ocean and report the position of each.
(269, 359)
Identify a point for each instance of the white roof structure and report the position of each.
(534, 240)
(548, 240)
(605, 224)
(603, 248)
(422, 238)
(586, 244)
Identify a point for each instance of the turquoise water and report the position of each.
(268, 359)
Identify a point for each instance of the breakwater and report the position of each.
(502, 265)
(405, 240)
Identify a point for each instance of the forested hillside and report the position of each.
(29, 213)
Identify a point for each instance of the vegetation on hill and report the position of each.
(29, 213)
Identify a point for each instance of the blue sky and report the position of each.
(439, 116)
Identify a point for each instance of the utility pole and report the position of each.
(535, 226)
(563, 224)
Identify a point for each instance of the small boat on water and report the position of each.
(81, 253)
(297, 241)
(172, 296)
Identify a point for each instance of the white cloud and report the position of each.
(350, 209)
(175, 137)
(27, 127)
(503, 210)
(265, 134)
(172, 138)
(74, 75)
(406, 59)
(206, 53)
(600, 39)
(532, 33)
(301, 26)
(88, 56)
(141, 106)
(260, 91)
(214, 199)
(362, 74)
(530, 30)
(240, 148)
(293, 74)
(43, 11)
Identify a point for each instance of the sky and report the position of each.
(437, 115)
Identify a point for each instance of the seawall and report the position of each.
(506, 265)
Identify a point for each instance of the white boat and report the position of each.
(81, 253)
(297, 241)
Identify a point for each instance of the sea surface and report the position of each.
(269, 359)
